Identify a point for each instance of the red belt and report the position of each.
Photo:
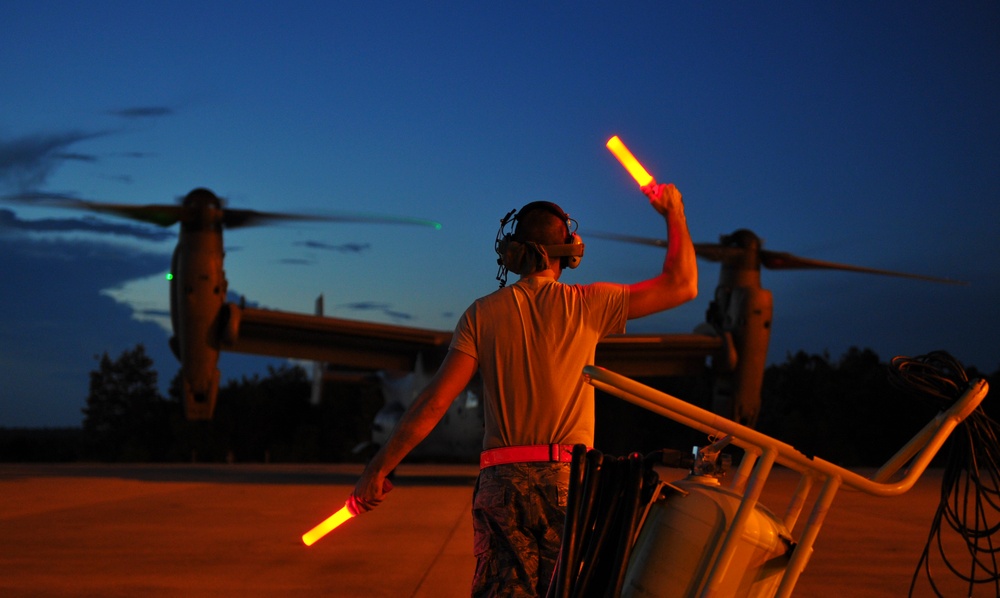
(533, 453)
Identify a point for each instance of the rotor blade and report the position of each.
(627, 238)
(39, 197)
(777, 260)
(773, 260)
(241, 218)
(709, 251)
(160, 215)
(166, 215)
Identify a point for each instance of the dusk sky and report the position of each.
(856, 132)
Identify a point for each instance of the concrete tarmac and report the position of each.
(222, 530)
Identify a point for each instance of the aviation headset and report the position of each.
(527, 257)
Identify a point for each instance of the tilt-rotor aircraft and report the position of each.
(734, 338)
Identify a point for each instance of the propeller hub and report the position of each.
(743, 238)
(202, 198)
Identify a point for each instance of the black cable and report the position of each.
(563, 577)
(969, 508)
(606, 495)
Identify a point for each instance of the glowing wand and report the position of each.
(348, 511)
(330, 523)
(629, 162)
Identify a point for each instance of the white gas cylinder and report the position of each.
(682, 535)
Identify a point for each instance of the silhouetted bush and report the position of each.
(846, 412)
(126, 418)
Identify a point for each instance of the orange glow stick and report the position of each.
(329, 524)
(348, 511)
(629, 162)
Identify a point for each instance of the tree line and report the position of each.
(844, 410)
(257, 419)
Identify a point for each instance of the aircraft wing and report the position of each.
(374, 346)
(348, 343)
(640, 355)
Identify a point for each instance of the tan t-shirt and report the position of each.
(531, 340)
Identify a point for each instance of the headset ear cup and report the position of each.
(573, 261)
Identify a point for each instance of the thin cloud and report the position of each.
(76, 156)
(90, 224)
(119, 178)
(28, 162)
(366, 306)
(342, 248)
(143, 112)
(397, 315)
(384, 308)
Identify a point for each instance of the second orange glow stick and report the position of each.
(348, 511)
(328, 525)
(629, 162)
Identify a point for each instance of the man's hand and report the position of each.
(665, 198)
(369, 491)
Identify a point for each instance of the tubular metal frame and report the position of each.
(762, 452)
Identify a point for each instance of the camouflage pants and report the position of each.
(518, 511)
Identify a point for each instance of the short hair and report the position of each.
(542, 223)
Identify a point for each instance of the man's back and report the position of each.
(531, 341)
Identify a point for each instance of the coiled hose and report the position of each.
(969, 508)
